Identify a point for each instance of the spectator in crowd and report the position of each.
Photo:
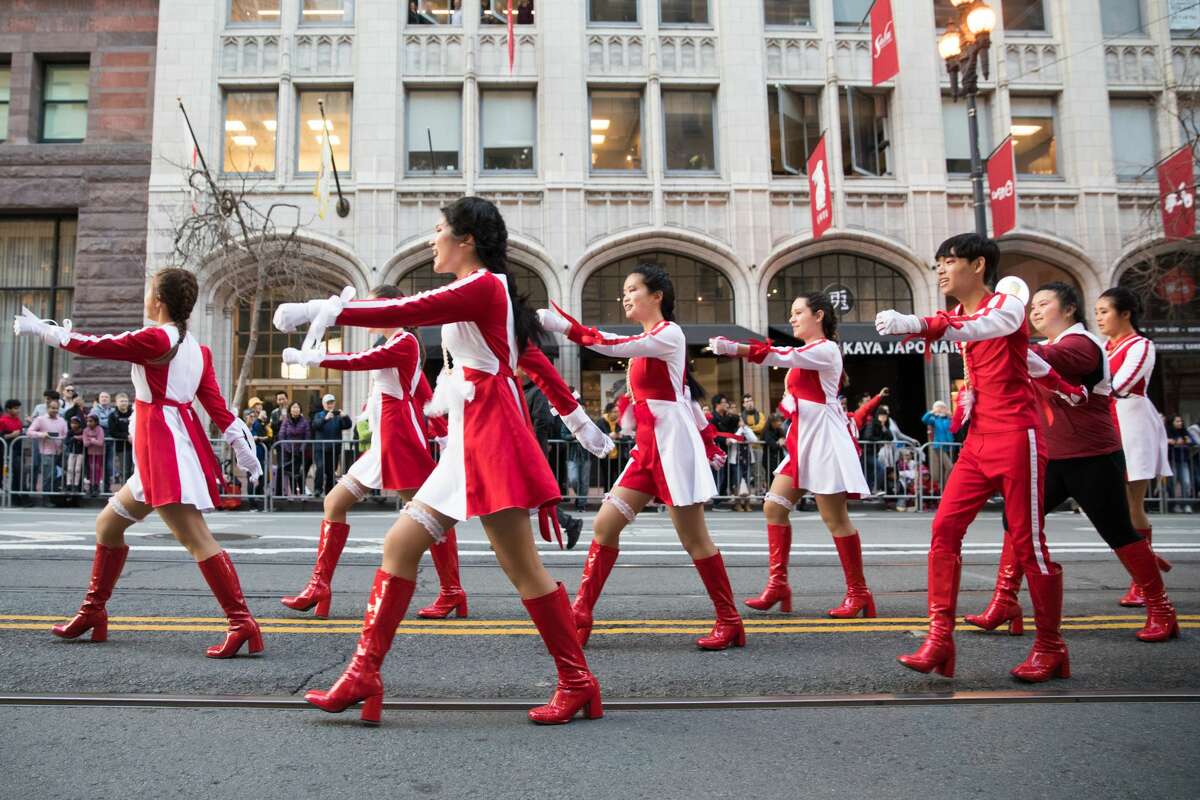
(50, 430)
(293, 453)
(878, 454)
(579, 463)
(74, 449)
(40, 409)
(254, 404)
(94, 446)
(118, 433)
(11, 446)
(727, 424)
(545, 426)
(941, 447)
(1179, 444)
(774, 442)
(258, 429)
(755, 420)
(282, 401)
(73, 407)
(103, 409)
(327, 426)
(610, 465)
(525, 12)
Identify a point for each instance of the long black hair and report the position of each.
(819, 301)
(1123, 300)
(1067, 296)
(474, 216)
(656, 279)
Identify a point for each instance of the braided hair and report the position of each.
(177, 289)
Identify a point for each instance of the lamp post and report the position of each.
(964, 48)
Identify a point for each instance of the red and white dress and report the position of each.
(491, 461)
(398, 457)
(1143, 436)
(173, 458)
(821, 452)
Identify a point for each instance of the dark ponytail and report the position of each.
(1067, 296)
(819, 301)
(474, 216)
(1124, 301)
(177, 289)
(656, 279)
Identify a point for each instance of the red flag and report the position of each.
(820, 199)
(1177, 191)
(885, 60)
(511, 50)
(1002, 185)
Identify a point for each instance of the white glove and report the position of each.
(29, 324)
(552, 321)
(326, 317)
(894, 323)
(242, 441)
(441, 442)
(290, 316)
(788, 403)
(308, 358)
(721, 346)
(718, 458)
(594, 440)
(1073, 399)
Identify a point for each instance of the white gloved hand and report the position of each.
(552, 321)
(308, 358)
(717, 458)
(721, 346)
(894, 323)
(240, 438)
(788, 403)
(441, 442)
(326, 317)
(290, 316)
(594, 440)
(29, 324)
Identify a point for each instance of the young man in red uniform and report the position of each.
(1004, 452)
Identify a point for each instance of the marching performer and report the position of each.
(1085, 463)
(176, 472)
(398, 460)
(1143, 438)
(670, 460)
(821, 454)
(491, 467)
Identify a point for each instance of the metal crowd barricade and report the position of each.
(894, 472)
(938, 459)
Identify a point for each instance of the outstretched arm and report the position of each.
(401, 351)
(137, 347)
(1001, 315)
(470, 298)
(658, 342)
(817, 355)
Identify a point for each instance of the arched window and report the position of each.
(1167, 286)
(1035, 272)
(872, 286)
(703, 295)
(423, 278)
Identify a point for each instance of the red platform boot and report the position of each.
(451, 598)
(1048, 658)
(858, 596)
(222, 578)
(92, 615)
(728, 630)
(1134, 598)
(360, 683)
(319, 592)
(577, 688)
(779, 545)
(1004, 607)
(936, 653)
(599, 563)
(1161, 623)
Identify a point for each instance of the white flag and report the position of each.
(321, 188)
(190, 159)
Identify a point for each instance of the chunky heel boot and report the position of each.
(578, 690)
(728, 630)
(599, 563)
(319, 591)
(858, 597)
(222, 578)
(936, 653)
(1135, 598)
(451, 597)
(1004, 606)
(779, 545)
(93, 615)
(1140, 561)
(1048, 658)
(360, 682)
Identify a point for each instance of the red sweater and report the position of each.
(1086, 429)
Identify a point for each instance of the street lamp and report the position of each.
(964, 48)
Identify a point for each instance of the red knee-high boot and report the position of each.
(779, 546)
(319, 591)
(1004, 607)
(1048, 658)
(858, 596)
(728, 630)
(1161, 623)
(360, 682)
(92, 615)
(577, 688)
(936, 653)
(1135, 598)
(451, 596)
(599, 563)
(222, 578)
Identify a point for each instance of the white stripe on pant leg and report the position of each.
(1034, 527)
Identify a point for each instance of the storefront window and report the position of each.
(703, 295)
(872, 287)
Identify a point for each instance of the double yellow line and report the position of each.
(523, 627)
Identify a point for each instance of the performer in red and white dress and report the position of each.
(398, 460)
(821, 453)
(176, 471)
(670, 460)
(1004, 452)
(491, 467)
(1143, 436)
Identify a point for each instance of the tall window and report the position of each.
(683, 12)
(254, 12)
(1025, 15)
(1184, 18)
(944, 13)
(703, 295)
(1034, 145)
(866, 132)
(434, 131)
(37, 271)
(508, 132)
(612, 10)
(849, 13)
(1122, 17)
(64, 102)
(1134, 142)
(795, 121)
(689, 130)
(787, 12)
(616, 129)
(326, 12)
(435, 12)
(874, 286)
(5, 78)
(309, 132)
(250, 124)
(956, 129)
(495, 12)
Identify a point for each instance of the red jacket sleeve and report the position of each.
(137, 347)
(1072, 358)
(543, 374)
(863, 413)
(474, 297)
(400, 351)
(209, 394)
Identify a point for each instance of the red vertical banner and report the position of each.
(820, 199)
(1002, 187)
(885, 59)
(511, 48)
(1177, 193)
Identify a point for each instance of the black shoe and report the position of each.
(574, 528)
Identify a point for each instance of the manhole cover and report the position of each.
(220, 536)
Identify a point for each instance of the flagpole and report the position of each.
(199, 152)
(343, 205)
